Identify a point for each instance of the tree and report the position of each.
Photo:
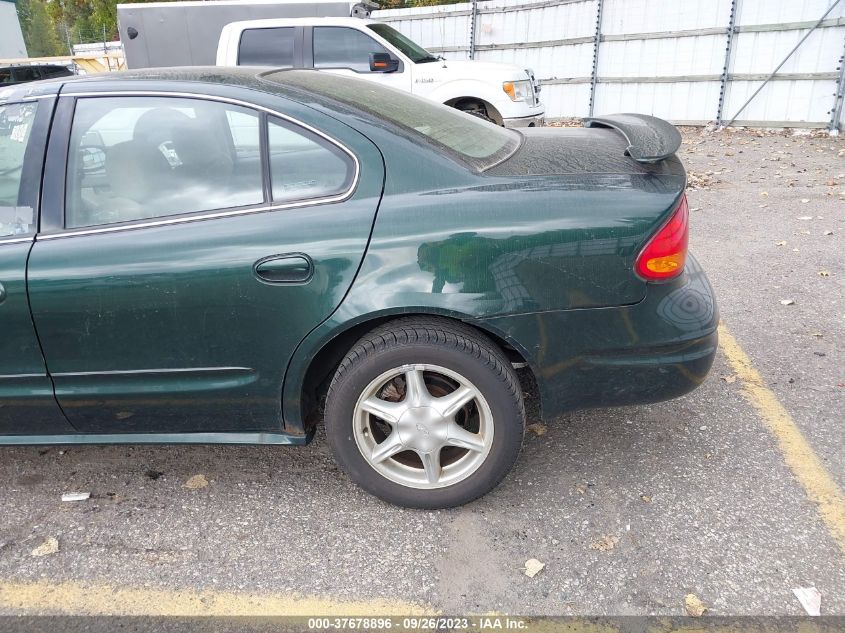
(38, 29)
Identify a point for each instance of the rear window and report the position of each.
(267, 47)
(477, 142)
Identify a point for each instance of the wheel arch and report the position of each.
(492, 111)
(307, 397)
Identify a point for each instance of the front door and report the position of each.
(27, 405)
(343, 50)
(200, 242)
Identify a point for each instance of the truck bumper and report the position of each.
(535, 120)
(654, 350)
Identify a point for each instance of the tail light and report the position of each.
(665, 254)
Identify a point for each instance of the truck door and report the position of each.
(346, 51)
(27, 405)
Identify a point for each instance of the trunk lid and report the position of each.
(589, 209)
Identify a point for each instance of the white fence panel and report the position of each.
(661, 57)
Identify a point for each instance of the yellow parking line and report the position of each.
(70, 598)
(799, 456)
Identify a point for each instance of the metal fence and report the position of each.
(689, 61)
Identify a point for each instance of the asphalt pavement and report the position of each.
(630, 509)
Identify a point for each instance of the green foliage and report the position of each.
(39, 30)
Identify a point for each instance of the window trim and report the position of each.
(30, 192)
(201, 215)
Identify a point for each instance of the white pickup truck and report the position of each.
(329, 35)
(503, 93)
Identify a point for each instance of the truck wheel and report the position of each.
(475, 108)
(481, 114)
(425, 413)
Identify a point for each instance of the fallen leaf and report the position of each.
(196, 482)
(824, 273)
(581, 488)
(781, 243)
(533, 567)
(694, 606)
(605, 543)
(729, 379)
(646, 498)
(49, 546)
(538, 428)
(76, 496)
(765, 194)
(810, 599)
(804, 200)
(828, 233)
(787, 302)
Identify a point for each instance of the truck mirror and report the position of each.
(383, 63)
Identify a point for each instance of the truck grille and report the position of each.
(535, 87)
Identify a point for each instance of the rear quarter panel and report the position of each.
(477, 247)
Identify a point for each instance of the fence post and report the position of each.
(836, 111)
(472, 19)
(723, 87)
(596, 43)
(785, 59)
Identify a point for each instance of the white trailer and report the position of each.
(164, 34)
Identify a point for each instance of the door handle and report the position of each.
(285, 269)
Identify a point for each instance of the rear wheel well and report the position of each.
(323, 366)
(476, 105)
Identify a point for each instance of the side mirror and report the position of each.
(383, 63)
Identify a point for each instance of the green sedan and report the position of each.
(237, 256)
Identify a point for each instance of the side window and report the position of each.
(26, 73)
(303, 165)
(55, 71)
(342, 47)
(133, 158)
(267, 47)
(5, 76)
(16, 122)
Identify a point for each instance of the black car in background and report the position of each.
(11, 75)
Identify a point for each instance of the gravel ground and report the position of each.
(630, 509)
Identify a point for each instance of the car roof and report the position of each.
(242, 76)
(187, 79)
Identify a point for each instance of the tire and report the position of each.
(481, 114)
(447, 442)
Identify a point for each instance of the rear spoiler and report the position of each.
(650, 139)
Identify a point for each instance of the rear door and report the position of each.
(279, 46)
(27, 406)
(193, 243)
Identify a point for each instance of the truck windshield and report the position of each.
(470, 139)
(414, 51)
